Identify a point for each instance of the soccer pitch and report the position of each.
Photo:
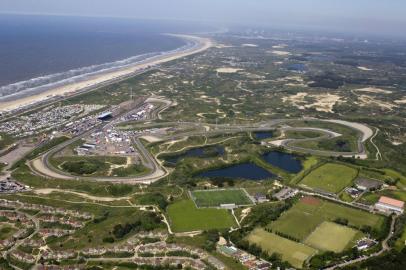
(306, 215)
(217, 197)
(185, 217)
(291, 251)
(330, 177)
(332, 237)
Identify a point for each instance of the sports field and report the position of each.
(291, 251)
(330, 236)
(185, 217)
(214, 198)
(330, 177)
(306, 215)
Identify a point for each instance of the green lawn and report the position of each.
(330, 177)
(302, 219)
(87, 165)
(291, 251)
(296, 223)
(401, 242)
(214, 198)
(330, 236)
(6, 231)
(132, 170)
(5, 140)
(184, 217)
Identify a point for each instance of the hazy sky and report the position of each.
(384, 16)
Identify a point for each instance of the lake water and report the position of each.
(299, 67)
(285, 161)
(202, 152)
(247, 170)
(261, 135)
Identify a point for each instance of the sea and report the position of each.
(44, 51)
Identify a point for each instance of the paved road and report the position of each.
(43, 166)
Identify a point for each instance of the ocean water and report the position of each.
(46, 51)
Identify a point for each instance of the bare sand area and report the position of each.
(374, 90)
(228, 70)
(249, 45)
(280, 53)
(401, 101)
(324, 102)
(204, 44)
(280, 46)
(151, 139)
(47, 191)
(365, 100)
(364, 68)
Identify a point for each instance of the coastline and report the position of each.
(202, 44)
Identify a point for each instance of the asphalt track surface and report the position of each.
(43, 167)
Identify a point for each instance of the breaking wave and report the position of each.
(44, 83)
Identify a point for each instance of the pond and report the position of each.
(202, 152)
(246, 170)
(261, 135)
(299, 67)
(285, 161)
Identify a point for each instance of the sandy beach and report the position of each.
(203, 44)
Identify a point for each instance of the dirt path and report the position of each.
(46, 191)
(378, 153)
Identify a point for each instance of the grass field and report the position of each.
(184, 217)
(5, 140)
(304, 217)
(330, 177)
(293, 252)
(87, 165)
(6, 231)
(214, 198)
(330, 236)
(401, 242)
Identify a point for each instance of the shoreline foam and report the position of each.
(201, 44)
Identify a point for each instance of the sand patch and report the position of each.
(371, 101)
(374, 90)
(249, 45)
(295, 84)
(280, 53)
(396, 143)
(151, 139)
(290, 79)
(324, 102)
(228, 70)
(222, 46)
(296, 100)
(253, 76)
(401, 101)
(207, 99)
(364, 68)
(280, 46)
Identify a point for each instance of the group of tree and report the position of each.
(145, 222)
